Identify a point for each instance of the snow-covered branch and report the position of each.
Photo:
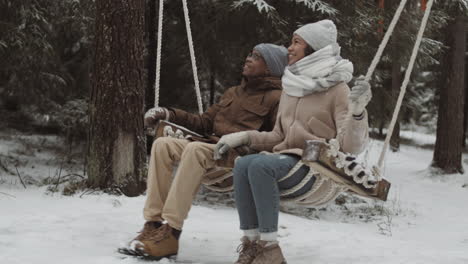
(318, 5)
(314, 5)
(261, 5)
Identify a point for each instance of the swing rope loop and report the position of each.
(192, 55)
(379, 53)
(405, 83)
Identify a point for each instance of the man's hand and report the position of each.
(230, 141)
(360, 96)
(154, 115)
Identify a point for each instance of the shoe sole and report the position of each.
(140, 254)
(170, 256)
(127, 251)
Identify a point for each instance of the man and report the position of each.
(252, 105)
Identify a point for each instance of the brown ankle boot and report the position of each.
(247, 251)
(268, 253)
(156, 244)
(148, 228)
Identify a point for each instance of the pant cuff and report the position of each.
(244, 228)
(271, 236)
(175, 225)
(268, 230)
(153, 218)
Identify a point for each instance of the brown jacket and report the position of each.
(316, 116)
(250, 106)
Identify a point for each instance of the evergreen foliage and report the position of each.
(45, 49)
(44, 45)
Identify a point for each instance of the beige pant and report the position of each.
(170, 199)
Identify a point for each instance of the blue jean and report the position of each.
(257, 191)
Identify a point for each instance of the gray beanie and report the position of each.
(276, 57)
(319, 34)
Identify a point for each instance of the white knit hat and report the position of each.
(319, 34)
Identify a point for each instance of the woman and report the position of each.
(314, 105)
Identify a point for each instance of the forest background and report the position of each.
(48, 61)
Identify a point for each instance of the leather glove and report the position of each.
(230, 141)
(154, 115)
(360, 96)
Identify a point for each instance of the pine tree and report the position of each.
(44, 49)
(116, 155)
(449, 142)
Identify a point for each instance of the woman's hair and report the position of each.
(308, 50)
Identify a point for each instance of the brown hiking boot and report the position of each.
(148, 228)
(247, 251)
(268, 253)
(156, 243)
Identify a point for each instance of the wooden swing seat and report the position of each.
(331, 180)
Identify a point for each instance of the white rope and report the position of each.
(384, 42)
(331, 194)
(219, 179)
(405, 82)
(314, 200)
(300, 185)
(319, 181)
(380, 50)
(192, 56)
(296, 167)
(158, 53)
(220, 189)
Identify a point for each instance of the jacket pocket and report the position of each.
(256, 109)
(252, 116)
(320, 129)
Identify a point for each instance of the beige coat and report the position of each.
(317, 116)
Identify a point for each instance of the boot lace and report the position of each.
(153, 233)
(247, 251)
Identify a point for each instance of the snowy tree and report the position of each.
(450, 124)
(116, 157)
(43, 45)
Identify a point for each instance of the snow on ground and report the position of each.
(37, 159)
(414, 136)
(418, 138)
(424, 221)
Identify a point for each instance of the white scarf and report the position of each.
(317, 72)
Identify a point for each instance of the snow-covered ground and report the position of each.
(425, 221)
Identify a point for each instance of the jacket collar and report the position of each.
(261, 84)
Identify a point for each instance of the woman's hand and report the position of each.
(230, 141)
(360, 96)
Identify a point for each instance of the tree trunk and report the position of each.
(465, 128)
(396, 85)
(381, 128)
(116, 154)
(448, 148)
